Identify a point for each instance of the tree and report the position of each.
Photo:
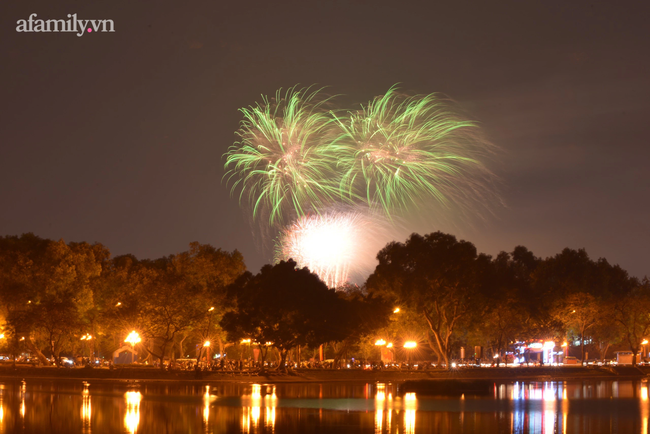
(437, 276)
(579, 311)
(208, 272)
(360, 318)
(47, 289)
(509, 312)
(286, 307)
(578, 292)
(169, 299)
(632, 312)
(607, 330)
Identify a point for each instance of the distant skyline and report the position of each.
(118, 137)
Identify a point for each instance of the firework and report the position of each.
(338, 245)
(280, 163)
(399, 152)
(336, 184)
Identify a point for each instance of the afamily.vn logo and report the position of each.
(72, 25)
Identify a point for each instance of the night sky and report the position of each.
(118, 137)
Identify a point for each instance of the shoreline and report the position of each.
(154, 375)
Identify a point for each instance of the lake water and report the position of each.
(41, 406)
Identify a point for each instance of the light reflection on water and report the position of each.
(86, 409)
(516, 408)
(132, 416)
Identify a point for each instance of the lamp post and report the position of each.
(133, 338)
(87, 337)
(207, 330)
(246, 341)
(409, 345)
(644, 343)
(206, 345)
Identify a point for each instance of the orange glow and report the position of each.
(133, 338)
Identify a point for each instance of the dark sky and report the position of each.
(118, 137)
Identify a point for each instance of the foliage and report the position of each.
(438, 277)
(286, 306)
(631, 313)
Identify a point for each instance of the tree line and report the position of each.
(53, 294)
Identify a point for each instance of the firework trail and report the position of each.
(399, 152)
(280, 163)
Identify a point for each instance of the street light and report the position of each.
(133, 338)
(206, 345)
(396, 310)
(87, 337)
(409, 345)
(644, 343)
(246, 341)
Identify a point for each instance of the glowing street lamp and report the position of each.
(380, 342)
(410, 345)
(644, 343)
(246, 341)
(206, 345)
(133, 338)
(87, 337)
(396, 310)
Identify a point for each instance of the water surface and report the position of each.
(45, 406)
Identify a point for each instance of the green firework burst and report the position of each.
(398, 151)
(282, 162)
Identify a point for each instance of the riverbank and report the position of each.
(545, 373)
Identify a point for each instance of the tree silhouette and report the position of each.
(436, 276)
(285, 307)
